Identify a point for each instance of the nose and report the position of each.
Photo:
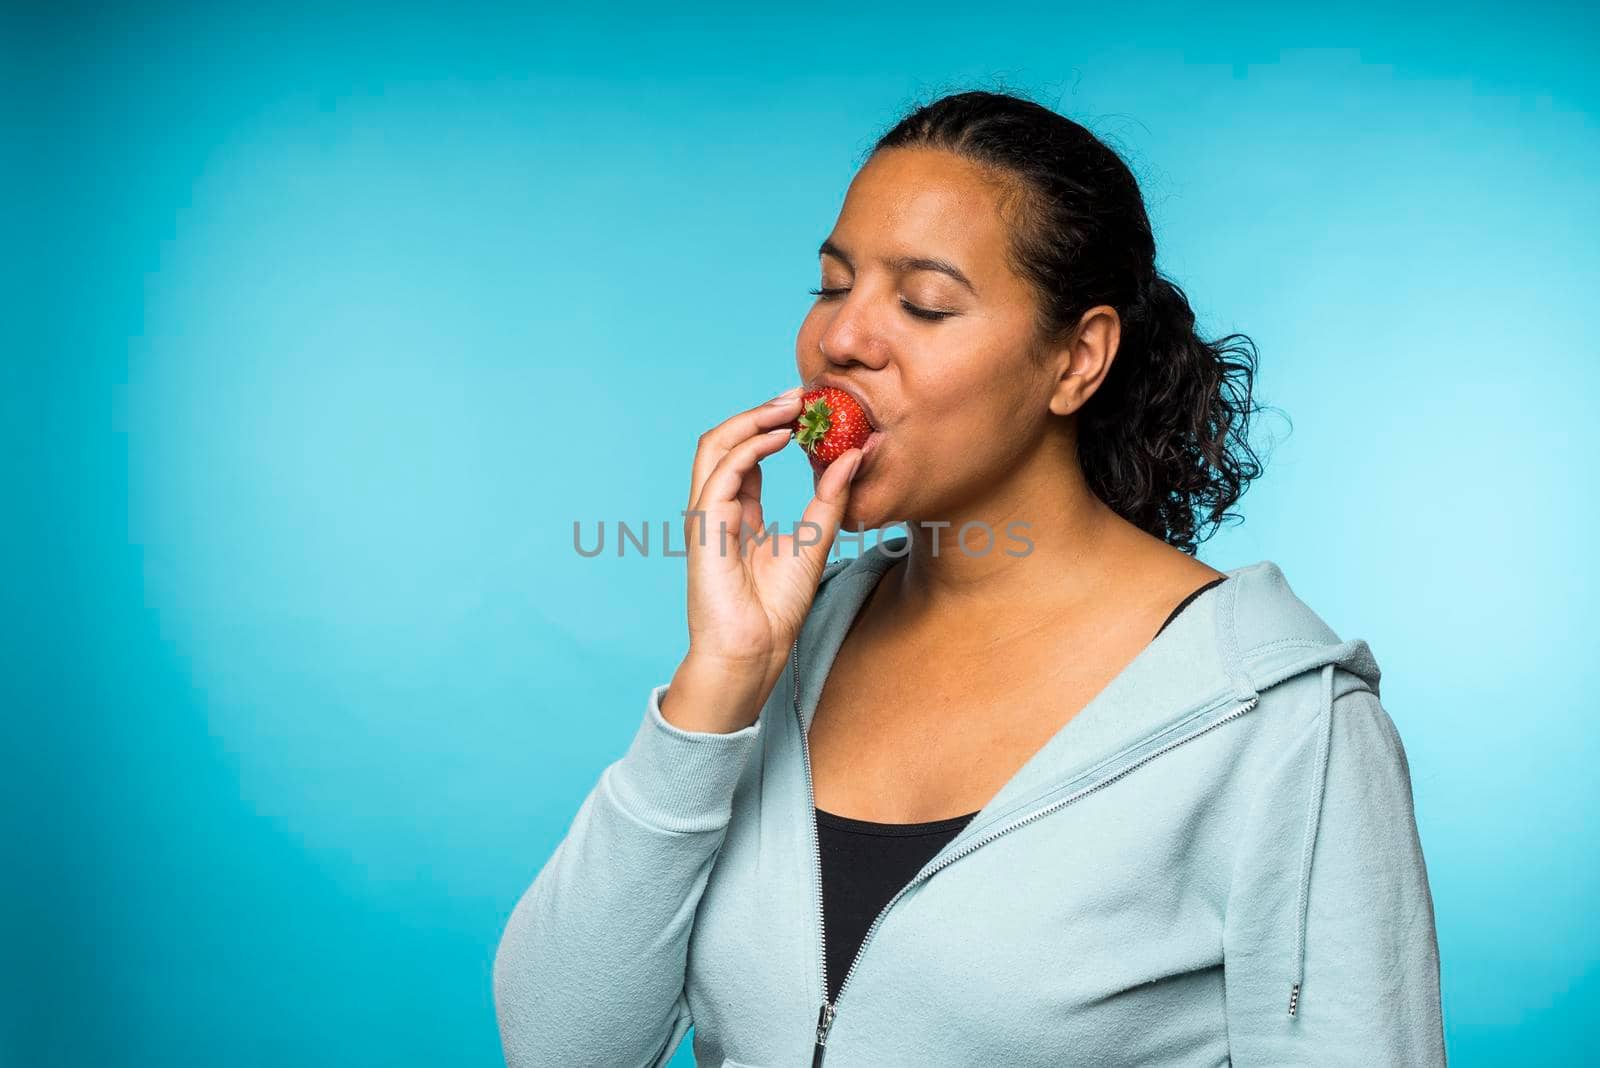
(852, 338)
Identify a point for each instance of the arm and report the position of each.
(1369, 992)
(590, 968)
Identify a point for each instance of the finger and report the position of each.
(750, 501)
(819, 523)
(711, 535)
(723, 483)
(715, 443)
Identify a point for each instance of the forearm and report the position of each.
(590, 967)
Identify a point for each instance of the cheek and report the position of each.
(807, 354)
(969, 421)
(957, 395)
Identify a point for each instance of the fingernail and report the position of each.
(786, 396)
(854, 467)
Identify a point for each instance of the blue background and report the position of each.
(328, 325)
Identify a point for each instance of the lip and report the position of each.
(866, 450)
(846, 387)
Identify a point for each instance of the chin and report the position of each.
(868, 508)
(863, 514)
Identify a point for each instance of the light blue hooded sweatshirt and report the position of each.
(1214, 862)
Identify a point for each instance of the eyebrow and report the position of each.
(902, 263)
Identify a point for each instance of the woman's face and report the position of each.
(958, 398)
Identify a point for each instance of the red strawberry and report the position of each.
(830, 423)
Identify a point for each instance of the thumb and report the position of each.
(823, 515)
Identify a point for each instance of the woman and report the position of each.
(1078, 799)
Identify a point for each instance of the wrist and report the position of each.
(714, 694)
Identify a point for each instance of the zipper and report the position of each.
(825, 1013)
(829, 1009)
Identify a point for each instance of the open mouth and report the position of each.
(866, 409)
(835, 419)
(874, 438)
(826, 382)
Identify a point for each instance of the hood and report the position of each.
(1213, 662)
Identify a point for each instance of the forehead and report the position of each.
(924, 202)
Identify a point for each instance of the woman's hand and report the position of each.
(749, 589)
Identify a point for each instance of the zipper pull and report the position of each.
(824, 1021)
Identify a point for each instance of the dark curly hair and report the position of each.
(1163, 440)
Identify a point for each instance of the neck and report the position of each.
(1048, 539)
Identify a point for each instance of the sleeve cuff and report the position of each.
(681, 780)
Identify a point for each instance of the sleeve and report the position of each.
(1329, 947)
(590, 967)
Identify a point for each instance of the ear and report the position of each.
(1084, 359)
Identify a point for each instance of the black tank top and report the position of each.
(864, 864)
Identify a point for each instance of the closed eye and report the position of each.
(921, 313)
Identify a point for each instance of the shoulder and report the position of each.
(1268, 635)
(1304, 675)
(833, 568)
(1261, 609)
(848, 571)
